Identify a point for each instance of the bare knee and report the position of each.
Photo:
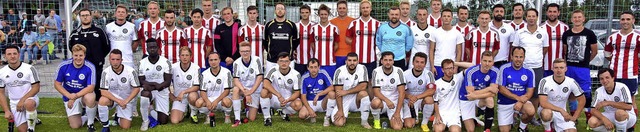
(302, 114)
(593, 122)
(489, 102)
(104, 101)
(409, 123)
(199, 103)
(376, 103)
(428, 100)
(362, 94)
(75, 125)
(546, 114)
(89, 99)
(226, 102)
(621, 115)
(30, 104)
(439, 127)
(331, 95)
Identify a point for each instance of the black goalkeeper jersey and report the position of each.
(280, 37)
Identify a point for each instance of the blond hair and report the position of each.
(185, 48)
(79, 47)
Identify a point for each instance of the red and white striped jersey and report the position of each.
(516, 27)
(254, 36)
(434, 22)
(324, 38)
(211, 23)
(478, 42)
(555, 42)
(623, 50)
(304, 48)
(408, 22)
(170, 42)
(147, 30)
(362, 34)
(465, 30)
(198, 39)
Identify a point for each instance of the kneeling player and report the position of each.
(515, 88)
(247, 79)
(350, 82)
(281, 90)
(315, 85)
(186, 82)
(155, 77)
(418, 95)
(118, 86)
(615, 99)
(446, 98)
(554, 92)
(479, 89)
(388, 88)
(23, 84)
(75, 80)
(214, 91)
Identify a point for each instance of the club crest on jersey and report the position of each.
(219, 81)
(125, 30)
(81, 76)
(565, 90)
(453, 83)
(356, 78)
(475, 44)
(426, 35)
(246, 38)
(20, 75)
(290, 81)
(6, 76)
(523, 77)
(616, 99)
(398, 33)
(251, 70)
(487, 77)
(358, 32)
(393, 80)
(503, 30)
(158, 68)
(123, 80)
(320, 82)
(539, 36)
(420, 82)
(189, 77)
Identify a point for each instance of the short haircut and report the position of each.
(559, 60)
(485, 12)
(214, 53)
(245, 44)
(153, 2)
(553, 5)
(518, 47)
(119, 6)
(79, 47)
(387, 53)
(628, 13)
(405, 2)
(325, 8)
(342, 2)
(305, 7)
(252, 7)
(605, 69)
(436, 1)
(11, 46)
(85, 9)
(279, 3)
(518, 4)
(577, 11)
(487, 53)
(227, 8)
(446, 61)
(462, 7)
(197, 10)
(421, 55)
(313, 61)
(447, 10)
(169, 12)
(394, 8)
(531, 9)
(422, 8)
(151, 40)
(283, 55)
(497, 6)
(365, 1)
(116, 51)
(187, 49)
(352, 54)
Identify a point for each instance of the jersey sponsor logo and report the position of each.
(320, 82)
(539, 36)
(503, 30)
(189, 77)
(219, 81)
(475, 44)
(356, 78)
(158, 68)
(81, 76)
(565, 90)
(290, 81)
(523, 77)
(20, 75)
(280, 36)
(123, 80)
(398, 33)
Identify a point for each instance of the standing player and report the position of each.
(515, 88)
(395, 38)
(504, 33)
(621, 50)
(247, 79)
(252, 33)
(225, 40)
(447, 108)
(155, 77)
(209, 21)
(435, 19)
(615, 99)
(479, 88)
(75, 80)
(304, 50)
(316, 86)
(554, 96)
(149, 28)
(171, 38)
(342, 22)
(361, 35)
(418, 95)
(554, 28)
(422, 36)
(199, 38)
(447, 44)
(122, 34)
(23, 84)
(350, 82)
(119, 86)
(482, 39)
(186, 82)
(281, 35)
(405, 9)
(388, 88)
(465, 28)
(214, 92)
(324, 41)
(281, 90)
(518, 19)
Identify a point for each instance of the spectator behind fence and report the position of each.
(28, 40)
(42, 41)
(12, 18)
(39, 17)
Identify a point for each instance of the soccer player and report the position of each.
(252, 32)
(554, 28)
(435, 19)
(422, 36)
(75, 80)
(122, 35)
(482, 39)
(317, 86)
(324, 41)
(554, 96)
(186, 82)
(516, 86)
(350, 83)
(225, 40)
(304, 50)
(199, 38)
(119, 86)
(447, 44)
(149, 28)
(615, 99)
(447, 104)
(465, 28)
(247, 79)
(281, 35)
(209, 21)
(214, 91)
(580, 43)
(388, 88)
(504, 33)
(361, 34)
(171, 38)
(155, 77)
(418, 95)
(342, 22)
(405, 9)
(395, 38)
(479, 89)
(518, 19)
(620, 49)
(281, 90)
(23, 84)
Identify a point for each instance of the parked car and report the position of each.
(599, 26)
(599, 61)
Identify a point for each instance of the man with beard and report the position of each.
(518, 23)
(396, 38)
(350, 82)
(504, 33)
(281, 35)
(342, 22)
(405, 8)
(171, 38)
(361, 35)
(419, 90)
(122, 35)
(303, 52)
(554, 28)
(149, 28)
(434, 18)
(119, 86)
(388, 88)
(155, 77)
(465, 28)
(94, 39)
(447, 44)
(224, 37)
(422, 36)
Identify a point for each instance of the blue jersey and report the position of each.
(517, 81)
(75, 79)
(312, 86)
(474, 77)
(398, 40)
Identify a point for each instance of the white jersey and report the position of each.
(558, 92)
(446, 42)
(620, 94)
(505, 33)
(184, 78)
(447, 95)
(388, 83)
(248, 73)
(121, 37)
(347, 80)
(285, 83)
(253, 35)
(417, 84)
(154, 72)
(422, 39)
(534, 42)
(120, 84)
(18, 81)
(215, 83)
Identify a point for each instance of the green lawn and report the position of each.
(57, 121)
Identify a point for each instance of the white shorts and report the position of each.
(560, 124)
(219, 106)
(348, 104)
(612, 117)
(181, 105)
(20, 117)
(125, 113)
(417, 106)
(449, 119)
(505, 114)
(390, 112)
(161, 100)
(255, 98)
(316, 108)
(275, 103)
(468, 109)
(76, 109)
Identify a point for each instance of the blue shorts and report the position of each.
(229, 67)
(584, 80)
(631, 83)
(370, 67)
(330, 70)
(440, 73)
(340, 61)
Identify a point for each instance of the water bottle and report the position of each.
(385, 125)
(413, 112)
(11, 125)
(212, 119)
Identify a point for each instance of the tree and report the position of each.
(448, 6)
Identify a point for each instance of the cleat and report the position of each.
(144, 126)
(30, 130)
(285, 117)
(245, 120)
(106, 129)
(425, 128)
(236, 123)
(152, 122)
(267, 122)
(91, 128)
(523, 130)
(194, 119)
(227, 120)
(376, 124)
(326, 121)
(487, 130)
(38, 122)
(479, 122)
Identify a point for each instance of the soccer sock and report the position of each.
(573, 105)
(375, 113)
(103, 114)
(331, 103)
(144, 108)
(365, 104)
(32, 116)
(488, 118)
(523, 125)
(547, 125)
(91, 115)
(194, 110)
(621, 126)
(204, 110)
(266, 104)
(84, 119)
(227, 110)
(427, 110)
(236, 108)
